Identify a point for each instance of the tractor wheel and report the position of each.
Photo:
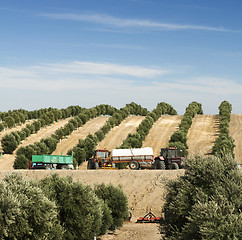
(90, 164)
(159, 164)
(96, 165)
(134, 165)
(175, 166)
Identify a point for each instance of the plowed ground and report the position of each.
(116, 136)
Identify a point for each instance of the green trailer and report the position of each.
(51, 162)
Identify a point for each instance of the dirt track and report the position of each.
(90, 127)
(202, 134)
(235, 131)
(161, 132)
(116, 136)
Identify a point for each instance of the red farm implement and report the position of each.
(149, 218)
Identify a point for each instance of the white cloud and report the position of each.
(130, 23)
(94, 68)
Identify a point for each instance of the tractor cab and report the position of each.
(173, 157)
(100, 159)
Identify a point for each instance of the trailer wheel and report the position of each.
(134, 165)
(174, 166)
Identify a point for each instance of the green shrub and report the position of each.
(25, 212)
(206, 202)
(80, 211)
(116, 200)
(9, 144)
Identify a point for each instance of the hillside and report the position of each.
(90, 127)
(235, 131)
(202, 134)
(7, 160)
(116, 136)
(161, 132)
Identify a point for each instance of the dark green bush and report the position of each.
(80, 211)
(206, 202)
(117, 202)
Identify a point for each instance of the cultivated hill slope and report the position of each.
(89, 128)
(202, 134)
(161, 132)
(7, 160)
(235, 131)
(116, 136)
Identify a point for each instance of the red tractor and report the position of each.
(170, 158)
(101, 159)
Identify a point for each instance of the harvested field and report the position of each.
(116, 136)
(7, 160)
(90, 127)
(202, 134)
(161, 132)
(235, 131)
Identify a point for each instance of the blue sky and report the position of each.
(57, 53)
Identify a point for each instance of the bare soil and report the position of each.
(116, 136)
(90, 127)
(202, 134)
(161, 132)
(235, 131)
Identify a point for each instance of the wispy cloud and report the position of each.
(114, 78)
(95, 68)
(130, 23)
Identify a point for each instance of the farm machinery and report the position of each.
(51, 162)
(149, 218)
(137, 158)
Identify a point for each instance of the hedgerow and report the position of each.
(224, 144)
(179, 138)
(136, 140)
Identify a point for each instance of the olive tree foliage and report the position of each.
(80, 211)
(116, 200)
(224, 144)
(25, 211)
(136, 140)
(179, 138)
(205, 203)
